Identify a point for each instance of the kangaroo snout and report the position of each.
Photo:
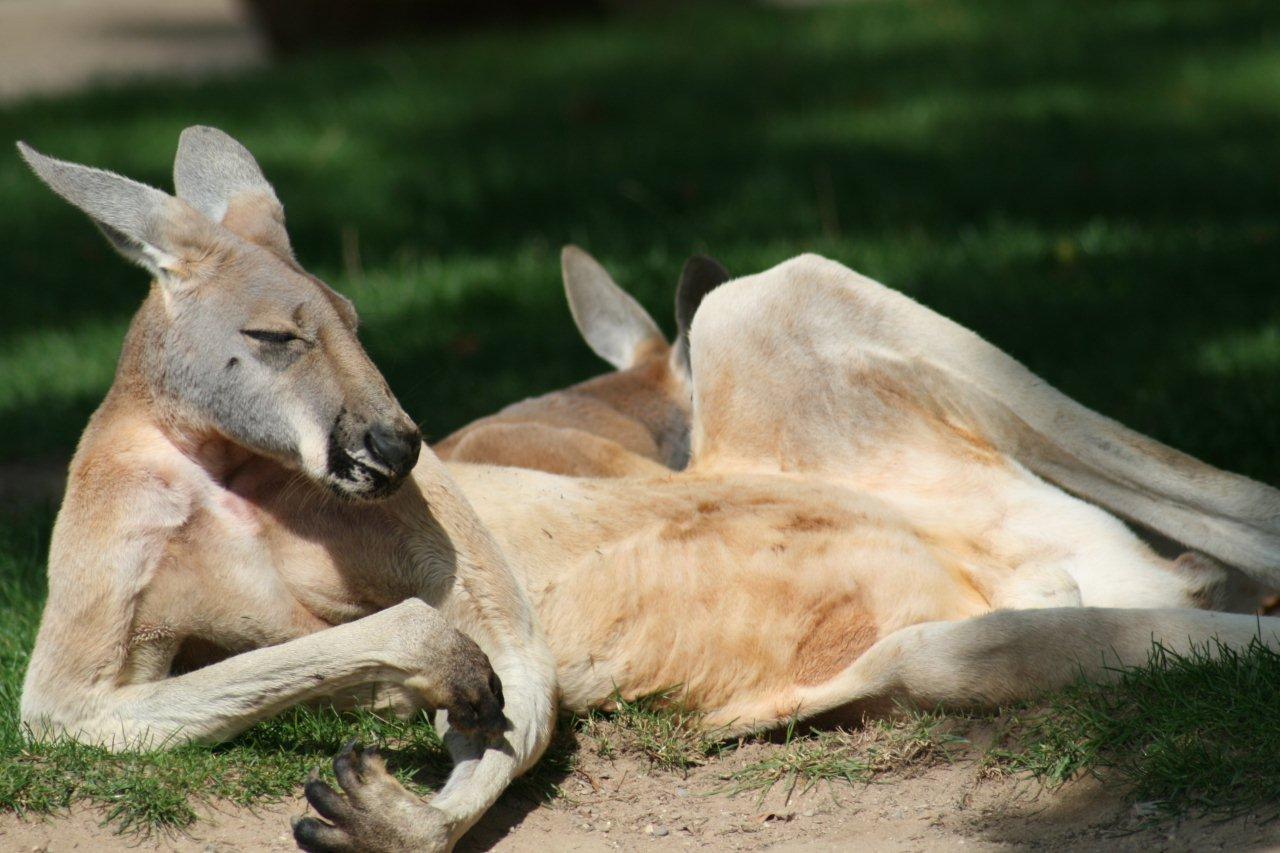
(369, 457)
(396, 448)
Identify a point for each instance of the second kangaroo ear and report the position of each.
(149, 227)
(700, 276)
(218, 176)
(614, 325)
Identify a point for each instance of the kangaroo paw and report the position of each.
(372, 812)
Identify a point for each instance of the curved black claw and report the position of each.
(347, 765)
(316, 836)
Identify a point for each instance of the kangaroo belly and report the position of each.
(714, 589)
(757, 607)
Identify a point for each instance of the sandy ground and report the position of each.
(49, 46)
(623, 805)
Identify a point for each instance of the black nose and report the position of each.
(398, 450)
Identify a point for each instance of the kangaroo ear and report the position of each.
(700, 276)
(613, 324)
(141, 222)
(219, 177)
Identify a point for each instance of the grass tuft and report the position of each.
(1197, 733)
(912, 740)
(147, 791)
(655, 728)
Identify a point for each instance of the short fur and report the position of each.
(857, 528)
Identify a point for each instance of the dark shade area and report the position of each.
(1094, 187)
(296, 25)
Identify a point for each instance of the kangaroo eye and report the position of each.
(268, 336)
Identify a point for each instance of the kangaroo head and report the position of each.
(236, 340)
(653, 381)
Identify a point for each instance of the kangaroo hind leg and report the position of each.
(1014, 655)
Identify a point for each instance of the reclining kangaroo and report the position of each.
(863, 520)
(631, 422)
(244, 491)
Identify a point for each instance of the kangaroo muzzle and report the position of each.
(370, 460)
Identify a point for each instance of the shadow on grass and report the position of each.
(1092, 188)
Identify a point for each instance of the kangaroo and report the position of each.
(875, 511)
(251, 493)
(631, 422)
(879, 506)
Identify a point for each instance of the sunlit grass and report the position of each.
(1196, 733)
(910, 740)
(654, 728)
(162, 790)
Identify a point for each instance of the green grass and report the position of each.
(161, 790)
(909, 740)
(654, 728)
(1092, 186)
(1198, 733)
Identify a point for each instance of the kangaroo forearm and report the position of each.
(473, 581)
(225, 698)
(220, 701)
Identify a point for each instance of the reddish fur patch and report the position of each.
(557, 450)
(685, 531)
(839, 631)
(706, 518)
(637, 410)
(806, 523)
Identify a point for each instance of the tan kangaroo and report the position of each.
(873, 511)
(251, 493)
(633, 421)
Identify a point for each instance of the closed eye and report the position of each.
(269, 336)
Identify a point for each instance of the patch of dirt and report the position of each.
(622, 804)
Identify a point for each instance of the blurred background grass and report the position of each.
(1092, 186)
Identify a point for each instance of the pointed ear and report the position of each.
(219, 177)
(141, 222)
(613, 324)
(700, 276)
